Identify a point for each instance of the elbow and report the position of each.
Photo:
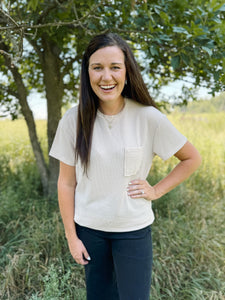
(195, 157)
(197, 160)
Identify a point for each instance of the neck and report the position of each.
(112, 108)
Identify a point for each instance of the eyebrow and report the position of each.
(114, 63)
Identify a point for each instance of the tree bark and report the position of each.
(54, 87)
(28, 115)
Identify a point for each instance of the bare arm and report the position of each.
(66, 192)
(190, 160)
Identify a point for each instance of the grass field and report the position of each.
(188, 234)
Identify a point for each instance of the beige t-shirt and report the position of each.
(123, 147)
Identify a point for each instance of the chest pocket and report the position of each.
(132, 160)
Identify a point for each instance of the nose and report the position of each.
(106, 75)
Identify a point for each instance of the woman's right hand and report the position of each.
(78, 251)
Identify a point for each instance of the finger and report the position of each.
(135, 187)
(135, 182)
(137, 196)
(132, 187)
(81, 257)
(136, 193)
(86, 255)
(81, 260)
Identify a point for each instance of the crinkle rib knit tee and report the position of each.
(123, 147)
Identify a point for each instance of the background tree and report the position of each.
(42, 42)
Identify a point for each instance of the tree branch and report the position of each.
(28, 26)
(3, 52)
(24, 26)
(8, 57)
(5, 14)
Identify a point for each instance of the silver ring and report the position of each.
(142, 192)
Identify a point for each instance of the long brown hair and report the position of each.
(135, 89)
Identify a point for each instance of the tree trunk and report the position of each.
(28, 115)
(54, 88)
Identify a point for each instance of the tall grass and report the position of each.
(189, 228)
(188, 234)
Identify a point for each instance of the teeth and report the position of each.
(107, 87)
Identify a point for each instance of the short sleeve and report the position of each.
(167, 140)
(63, 147)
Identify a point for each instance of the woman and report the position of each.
(105, 146)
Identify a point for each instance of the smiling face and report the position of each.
(107, 73)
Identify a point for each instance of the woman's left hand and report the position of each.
(141, 189)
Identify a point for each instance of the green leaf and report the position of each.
(216, 75)
(208, 50)
(185, 58)
(217, 20)
(175, 62)
(224, 64)
(222, 79)
(180, 30)
(164, 37)
(157, 9)
(165, 17)
(203, 40)
(222, 8)
(154, 51)
(32, 4)
(196, 51)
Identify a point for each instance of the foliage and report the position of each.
(177, 39)
(188, 233)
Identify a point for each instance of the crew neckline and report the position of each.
(101, 114)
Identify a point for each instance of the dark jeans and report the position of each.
(120, 266)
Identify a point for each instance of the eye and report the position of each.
(116, 68)
(97, 68)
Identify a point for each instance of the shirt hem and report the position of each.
(115, 228)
